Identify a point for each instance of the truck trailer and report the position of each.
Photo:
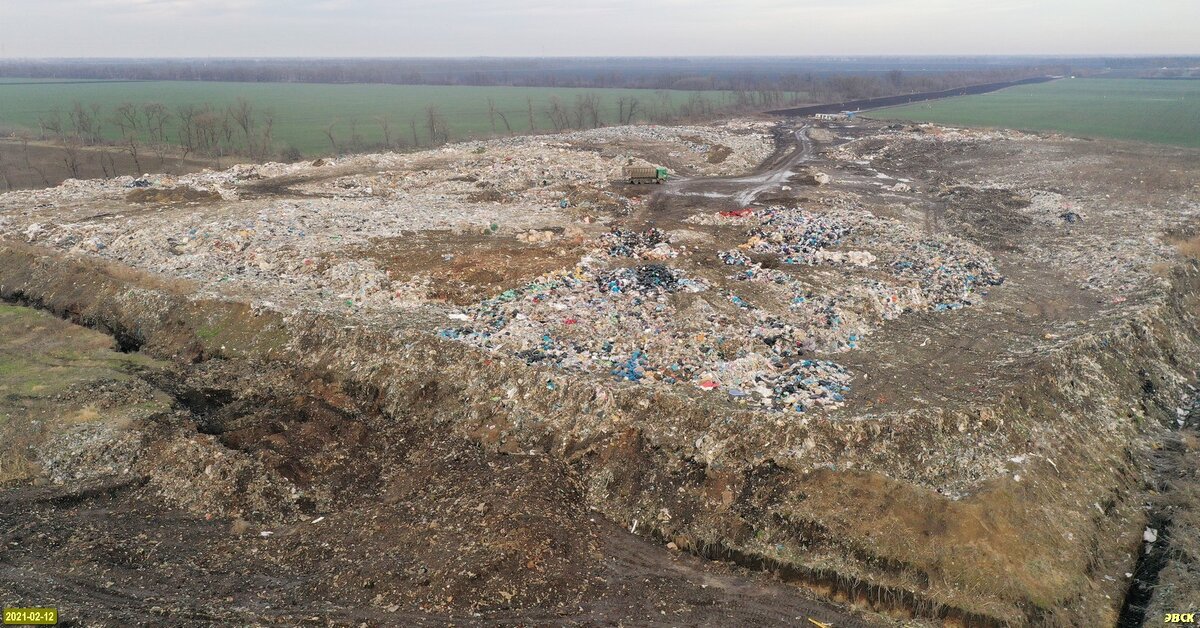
(644, 174)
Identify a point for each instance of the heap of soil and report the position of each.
(180, 194)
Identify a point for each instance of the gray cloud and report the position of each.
(37, 28)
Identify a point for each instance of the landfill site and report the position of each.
(820, 373)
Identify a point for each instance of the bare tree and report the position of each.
(82, 122)
(559, 118)
(492, 113)
(97, 124)
(588, 106)
(227, 131)
(207, 126)
(529, 110)
(242, 113)
(330, 136)
(268, 141)
(71, 146)
(127, 117)
(504, 118)
(664, 106)
(412, 125)
(385, 125)
(431, 116)
(580, 111)
(187, 126)
(51, 122)
(24, 139)
(355, 138)
(435, 123)
(29, 167)
(4, 171)
(629, 110)
(697, 107)
(157, 115)
(104, 165)
(127, 120)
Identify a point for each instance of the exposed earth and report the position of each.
(841, 374)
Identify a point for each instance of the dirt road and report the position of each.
(795, 148)
(890, 101)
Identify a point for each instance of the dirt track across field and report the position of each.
(891, 101)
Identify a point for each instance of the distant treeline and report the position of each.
(821, 78)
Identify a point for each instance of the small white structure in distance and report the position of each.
(844, 115)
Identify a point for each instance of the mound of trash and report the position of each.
(654, 324)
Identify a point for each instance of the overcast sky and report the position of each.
(177, 28)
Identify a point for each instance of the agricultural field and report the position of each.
(1158, 111)
(303, 113)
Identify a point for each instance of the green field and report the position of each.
(303, 112)
(1164, 112)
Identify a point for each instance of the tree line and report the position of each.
(133, 138)
(88, 140)
(154, 136)
(675, 74)
(153, 132)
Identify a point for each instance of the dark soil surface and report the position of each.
(397, 525)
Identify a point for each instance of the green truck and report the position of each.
(644, 174)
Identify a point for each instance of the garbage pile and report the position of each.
(303, 233)
(541, 168)
(654, 324)
(949, 279)
(1053, 208)
(730, 217)
(796, 236)
(651, 244)
(649, 324)
(950, 272)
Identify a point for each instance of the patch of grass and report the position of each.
(208, 334)
(1190, 248)
(1163, 112)
(40, 354)
(15, 467)
(41, 357)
